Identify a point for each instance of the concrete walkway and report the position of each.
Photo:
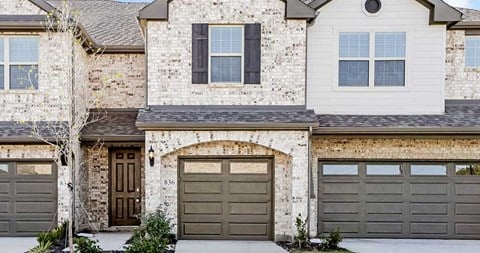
(227, 247)
(17, 244)
(410, 246)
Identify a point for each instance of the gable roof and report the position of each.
(471, 19)
(295, 9)
(440, 12)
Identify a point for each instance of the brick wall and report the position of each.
(19, 7)
(170, 54)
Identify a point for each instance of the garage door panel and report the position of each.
(429, 228)
(468, 229)
(428, 189)
(203, 187)
(249, 208)
(203, 208)
(4, 226)
(346, 227)
(384, 228)
(467, 189)
(4, 188)
(384, 188)
(429, 208)
(35, 207)
(340, 207)
(248, 188)
(467, 209)
(248, 198)
(4, 207)
(341, 188)
(29, 226)
(202, 228)
(245, 229)
(384, 208)
(36, 188)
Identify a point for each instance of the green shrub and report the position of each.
(301, 239)
(332, 241)
(55, 236)
(85, 245)
(153, 236)
(43, 247)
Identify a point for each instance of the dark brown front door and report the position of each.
(125, 188)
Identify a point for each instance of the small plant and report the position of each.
(332, 241)
(42, 247)
(153, 236)
(301, 239)
(85, 245)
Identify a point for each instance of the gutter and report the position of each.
(222, 126)
(397, 130)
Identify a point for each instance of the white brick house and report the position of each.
(236, 117)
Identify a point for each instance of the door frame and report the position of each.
(111, 151)
(271, 158)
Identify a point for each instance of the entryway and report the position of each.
(226, 199)
(125, 187)
(227, 246)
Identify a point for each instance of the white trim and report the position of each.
(241, 55)
(465, 55)
(6, 60)
(368, 14)
(371, 87)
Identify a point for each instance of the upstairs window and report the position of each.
(472, 52)
(372, 59)
(226, 54)
(19, 62)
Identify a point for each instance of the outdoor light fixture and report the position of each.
(151, 156)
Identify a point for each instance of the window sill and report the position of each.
(472, 69)
(226, 85)
(19, 91)
(372, 89)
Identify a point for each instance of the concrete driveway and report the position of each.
(411, 246)
(17, 244)
(227, 247)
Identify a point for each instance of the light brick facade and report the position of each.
(282, 61)
(291, 162)
(462, 82)
(19, 7)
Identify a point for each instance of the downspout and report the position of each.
(146, 66)
(310, 185)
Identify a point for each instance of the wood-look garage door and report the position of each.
(28, 198)
(227, 199)
(400, 200)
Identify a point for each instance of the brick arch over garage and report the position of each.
(289, 149)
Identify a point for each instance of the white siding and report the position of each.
(425, 63)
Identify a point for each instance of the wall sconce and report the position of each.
(151, 156)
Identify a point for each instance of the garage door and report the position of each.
(227, 199)
(400, 200)
(27, 198)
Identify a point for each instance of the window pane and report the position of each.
(34, 169)
(202, 167)
(226, 40)
(249, 168)
(389, 73)
(428, 170)
(2, 77)
(353, 73)
(226, 69)
(340, 169)
(3, 169)
(2, 43)
(23, 77)
(23, 50)
(390, 44)
(468, 169)
(384, 169)
(354, 44)
(472, 52)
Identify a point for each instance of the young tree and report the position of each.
(75, 101)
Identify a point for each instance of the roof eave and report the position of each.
(397, 130)
(148, 126)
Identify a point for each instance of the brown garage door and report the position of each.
(400, 200)
(228, 199)
(27, 198)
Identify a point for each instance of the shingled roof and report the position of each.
(226, 117)
(114, 125)
(11, 131)
(461, 116)
(109, 23)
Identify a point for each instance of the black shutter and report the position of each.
(253, 34)
(200, 53)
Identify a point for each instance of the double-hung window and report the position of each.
(472, 52)
(372, 59)
(226, 54)
(19, 62)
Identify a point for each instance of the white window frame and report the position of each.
(465, 60)
(6, 59)
(371, 66)
(241, 55)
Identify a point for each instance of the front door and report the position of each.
(125, 183)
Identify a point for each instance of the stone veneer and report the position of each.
(290, 149)
(95, 179)
(461, 82)
(388, 149)
(19, 7)
(282, 61)
(119, 78)
(27, 152)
